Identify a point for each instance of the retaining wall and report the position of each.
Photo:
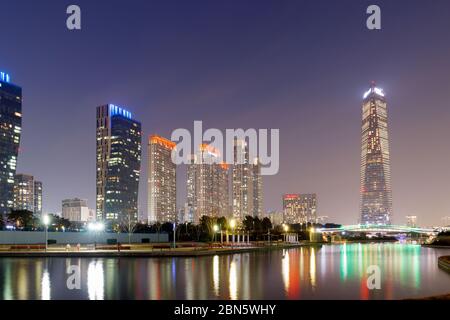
(36, 237)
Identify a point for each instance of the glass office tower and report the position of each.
(10, 131)
(118, 165)
(376, 193)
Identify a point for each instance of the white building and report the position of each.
(77, 210)
(411, 221)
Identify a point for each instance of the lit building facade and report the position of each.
(207, 185)
(162, 181)
(77, 210)
(24, 192)
(411, 221)
(376, 193)
(119, 139)
(300, 208)
(38, 198)
(10, 132)
(27, 194)
(247, 183)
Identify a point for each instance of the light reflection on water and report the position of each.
(322, 272)
(95, 280)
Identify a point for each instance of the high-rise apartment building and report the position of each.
(376, 193)
(24, 192)
(27, 194)
(257, 189)
(38, 198)
(118, 164)
(207, 185)
(10, 132)
(247, 183)
(300, 208)
(162, 181)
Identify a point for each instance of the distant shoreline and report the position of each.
(435, 246)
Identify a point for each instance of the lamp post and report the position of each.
(286, 229)
(232, 225)
(46, 220)
(96, 227)
(311, 234)
(174, 234)
(215, 229)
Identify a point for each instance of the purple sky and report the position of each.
(300, 66)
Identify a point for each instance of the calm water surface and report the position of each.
(328, 272)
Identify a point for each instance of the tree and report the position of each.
(22, 219)
(223, 223)
(142, 228)
(2, 223)
(248, 223)
(207, 226)
(57, 223)
(266, 225)
(128, 225)
(167, 227)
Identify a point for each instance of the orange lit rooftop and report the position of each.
(291, 196)
(209, 148)
(224, 166)
(155, 139)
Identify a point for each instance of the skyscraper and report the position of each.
(27, 194)
(257, 189)
(300, 208)
(162, 180)
(246, 184)
(376, 193)
(10, 131)
(207, 185)
(118, 164)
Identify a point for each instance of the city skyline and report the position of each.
(310, 106)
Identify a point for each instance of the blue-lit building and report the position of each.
(10, 131)
(119, 139)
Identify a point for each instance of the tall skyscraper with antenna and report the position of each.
(376, 193)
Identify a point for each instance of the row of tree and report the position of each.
(25, 220)
(208, 229)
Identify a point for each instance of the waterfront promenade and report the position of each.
(143, 250)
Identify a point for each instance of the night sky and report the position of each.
(300, 66)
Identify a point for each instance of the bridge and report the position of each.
(375, 228)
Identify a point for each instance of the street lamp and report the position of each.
(232, 225)
(311, 231)
(174, 234)
(286, 229)
(215, 228)
(96, 227)
(46, 220)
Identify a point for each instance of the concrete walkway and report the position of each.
(147, 252)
